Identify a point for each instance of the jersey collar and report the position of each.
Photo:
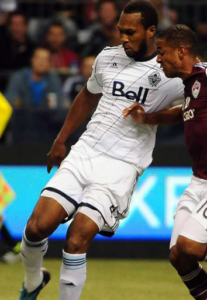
(149, 57)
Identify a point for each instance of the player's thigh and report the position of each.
(66, 186)
(193, 235)
(80, 233)
(180, 218)
(190, 231)
(106, 200)
(193, 239)
(187, 203)
(46, 217)
(190, 247)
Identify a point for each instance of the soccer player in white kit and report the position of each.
(95, 182)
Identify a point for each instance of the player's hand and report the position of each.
(137, 113)
(56, 155)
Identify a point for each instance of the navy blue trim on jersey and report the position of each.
(147, 58)
(104, 233)
(51, 189)
(92, 207)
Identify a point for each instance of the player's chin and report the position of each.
(129, 52)
(169, 74)
(166, 72)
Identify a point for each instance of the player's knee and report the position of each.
(76, 244)
(36, 230)
(191, 248)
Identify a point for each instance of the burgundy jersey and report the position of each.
(195, 118)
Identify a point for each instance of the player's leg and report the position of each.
(59, 199)
(73, 270)
(178, 260)
(190, 248)
(46, 217)
(192, 243)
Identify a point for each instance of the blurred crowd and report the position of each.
(48, 48)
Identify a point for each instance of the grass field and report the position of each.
(107, 280)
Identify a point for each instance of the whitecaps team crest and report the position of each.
(154, 78)
(196, 89)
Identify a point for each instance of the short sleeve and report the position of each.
(95, 84)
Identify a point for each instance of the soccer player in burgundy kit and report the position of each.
(177, 54)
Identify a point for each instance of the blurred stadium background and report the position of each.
(75, 31)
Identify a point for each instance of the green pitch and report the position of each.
(107, 280)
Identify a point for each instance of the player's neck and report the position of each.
(148, 55)
(188, 67)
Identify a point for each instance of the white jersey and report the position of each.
(123, 81)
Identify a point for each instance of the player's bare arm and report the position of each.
(165, 117)
(82, 107)
(137, 112)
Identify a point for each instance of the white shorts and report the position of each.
(191, 213)
(95, 184)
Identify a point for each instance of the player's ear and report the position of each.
(181, 52)
(151, 31)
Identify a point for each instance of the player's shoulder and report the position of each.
(115, 49)
(114, 55)
(112, 51)
(200, 67)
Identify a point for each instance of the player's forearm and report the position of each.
(165, 117)
(81, 108)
